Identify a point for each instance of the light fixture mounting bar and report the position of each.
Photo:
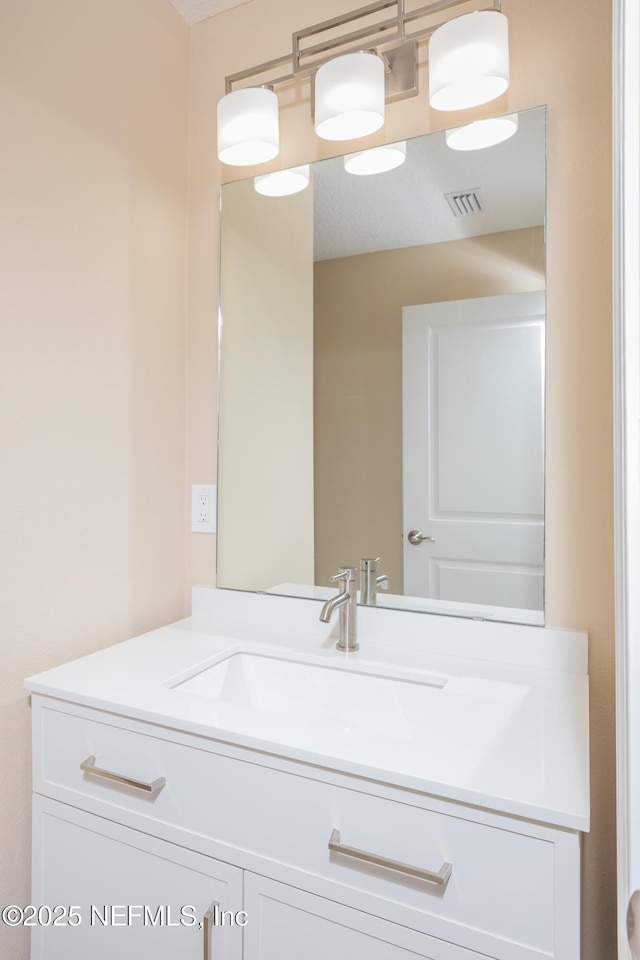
(364, 34)
(377, 32)
(369, 34)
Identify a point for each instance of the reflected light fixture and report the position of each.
(349, 93)
(482, 133)
(282, 183)
(469, 61)
(376, 159)
(360, 60)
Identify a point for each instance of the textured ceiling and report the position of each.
(195, 10)
(407, 206)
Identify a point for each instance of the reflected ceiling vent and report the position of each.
(465, 202)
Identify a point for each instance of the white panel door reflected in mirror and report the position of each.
(473, 433)
(313, 398)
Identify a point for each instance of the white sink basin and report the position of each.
(346, 698)
(450, 725)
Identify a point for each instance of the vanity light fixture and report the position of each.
(469, 61)
(358, 61)
(350, 96)
(376, 159)
(248, 127)
(482, 133)
(283, 183)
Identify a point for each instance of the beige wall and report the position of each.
(265, 483)
(559, 57)
(358, 377)
(93, 178)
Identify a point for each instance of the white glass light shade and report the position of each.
(377, 159)
(349, 92)
(248, 130)
(482, 133)
(469, 60)
(281, 183)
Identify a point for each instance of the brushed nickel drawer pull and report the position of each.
(207, 923)
(152, 789)
(441, 877)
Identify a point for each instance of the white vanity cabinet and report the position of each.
(290, 923)
(195, 821)
(133, 895)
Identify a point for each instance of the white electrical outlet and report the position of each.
(203, 507)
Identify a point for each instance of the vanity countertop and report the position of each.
(509, 736)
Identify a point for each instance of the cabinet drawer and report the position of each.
(501, 887)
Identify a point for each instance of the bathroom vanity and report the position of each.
(265, 796)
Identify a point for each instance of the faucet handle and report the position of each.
(347, 575)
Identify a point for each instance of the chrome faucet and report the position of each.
(370, 580)
(346, 602)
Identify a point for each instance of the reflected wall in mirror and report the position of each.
(382, 380)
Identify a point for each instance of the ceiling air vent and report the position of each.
(463, 203)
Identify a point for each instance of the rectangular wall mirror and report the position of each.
(381, 393)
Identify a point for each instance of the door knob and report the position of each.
(633, 925)
(415, 537)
